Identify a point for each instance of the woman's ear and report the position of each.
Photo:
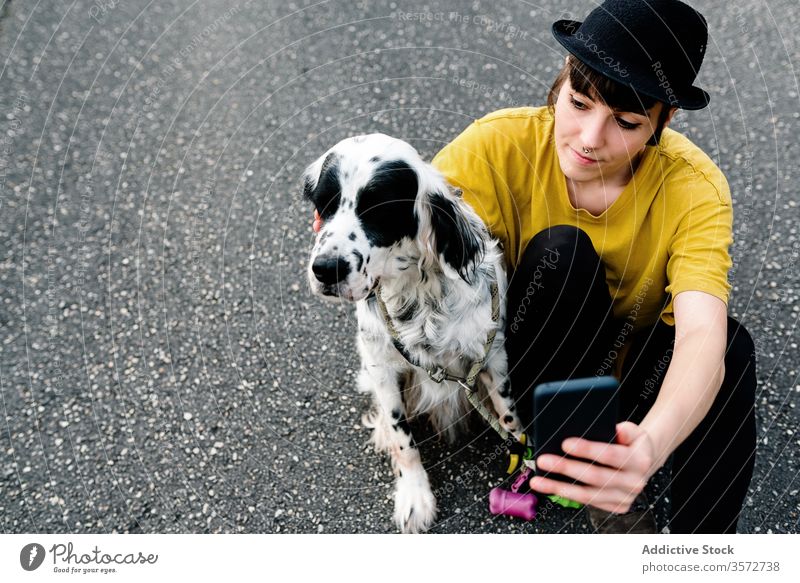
(671, 113)
(663, 117)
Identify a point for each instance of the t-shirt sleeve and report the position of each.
(699, 258)
(464, 164)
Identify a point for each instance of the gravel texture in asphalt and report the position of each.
(163, 367)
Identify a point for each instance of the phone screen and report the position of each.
(585, 407)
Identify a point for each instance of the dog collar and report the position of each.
(440, 374)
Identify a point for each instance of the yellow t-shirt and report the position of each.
(669, 231)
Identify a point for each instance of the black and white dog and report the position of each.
(391, 219)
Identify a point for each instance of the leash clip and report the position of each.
(437, 375)
(465, 386)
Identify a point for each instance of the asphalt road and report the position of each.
(163, 367)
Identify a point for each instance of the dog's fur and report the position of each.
(390, 217)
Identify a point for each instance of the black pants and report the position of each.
(560, 325)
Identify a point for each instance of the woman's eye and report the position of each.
(577, 104)
(627, 125)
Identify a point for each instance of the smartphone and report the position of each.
(585, 407)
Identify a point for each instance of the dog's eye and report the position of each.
(386, 217)
(373, 204)
(380, 203)
(385, 205)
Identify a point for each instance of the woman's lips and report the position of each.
(582, 159)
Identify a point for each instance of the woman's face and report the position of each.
(613, 138)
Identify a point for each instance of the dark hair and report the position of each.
(589, 82)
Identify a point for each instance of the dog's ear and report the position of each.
(450, 235)
(321, 184)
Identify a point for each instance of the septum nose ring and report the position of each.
(586, 150)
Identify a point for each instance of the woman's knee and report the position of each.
(557, 247)
(740, 343)
(740, 363)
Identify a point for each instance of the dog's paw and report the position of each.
(511, 423)
(414, 503)
(382, 437)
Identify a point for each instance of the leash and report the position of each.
(514, 503)
(440, 374)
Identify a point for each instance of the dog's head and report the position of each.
(384, 211)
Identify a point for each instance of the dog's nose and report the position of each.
(330, 269)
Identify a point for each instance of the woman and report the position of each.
(617, 232)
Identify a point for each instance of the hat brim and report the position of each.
(691, 98)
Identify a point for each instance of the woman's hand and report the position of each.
(317, 225)
(630, 464)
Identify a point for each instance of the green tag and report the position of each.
(564, 501)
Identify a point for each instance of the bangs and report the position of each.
(598, 87)
(616, 96)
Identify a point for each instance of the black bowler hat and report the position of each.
(655, 47)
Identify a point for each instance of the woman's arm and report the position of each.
(694, 375)
(692, 382)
